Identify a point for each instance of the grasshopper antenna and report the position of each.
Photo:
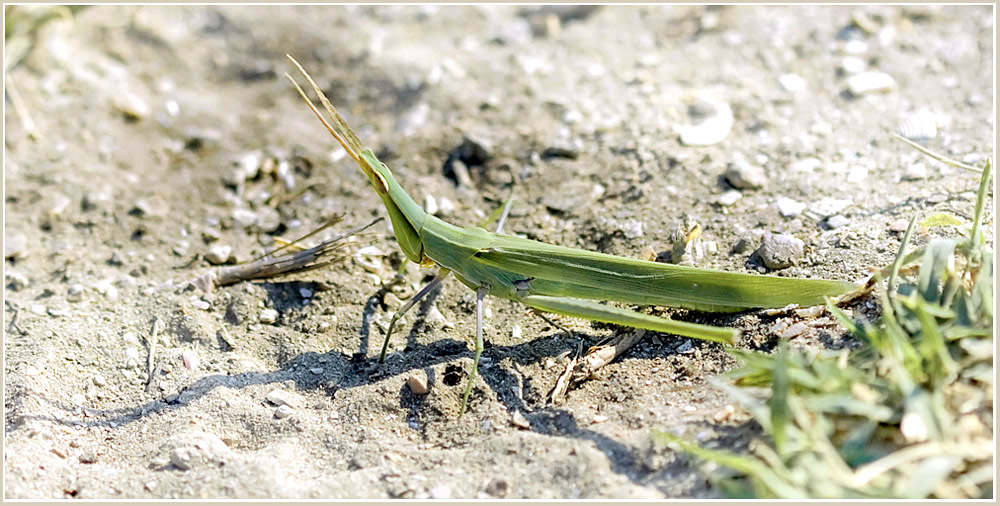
(344, 135)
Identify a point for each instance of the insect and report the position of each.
(557, 279)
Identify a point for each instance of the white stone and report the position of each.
(852, 65)
(855, 47)
(789, 208)
(792, 82)
(915, 172)
(219, 254)
(710, 131)
(268, 316)
(829, 206)
(857, 174)
(730, 197)
(868, 82)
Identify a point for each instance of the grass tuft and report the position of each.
(907, 415)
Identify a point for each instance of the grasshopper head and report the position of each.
(406, 216)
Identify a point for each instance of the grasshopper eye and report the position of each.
(383, 186)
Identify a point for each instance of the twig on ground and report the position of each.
(263, 268)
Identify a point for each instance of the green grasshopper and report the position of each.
(557, 279)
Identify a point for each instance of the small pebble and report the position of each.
(190, 358)
(806, 165)
(431, 205)
(713, 129)
(39, 309)
(197, 449)
(973, 158)
(937, 198)
(268, 316)
(913, 428)
(280, 397)
(316, 370)
(130, 104)
(725, 413)
(794, 330)
(599, 419)
(837, 221)
(88, 457)
(515, 331)
(729, 198)
(305, 293)
(685, 347)
(829, 206)
(210, 235)
(789, 208)
(899, 225)
(519, 420)
(110, 293)
(172, 107)
(57, 312)
(201, 304)
(75, 293)
(418, 383)
(99, 380)
(58, 204)
(810, 312)
(219, 254)
(445, 207)
(132, 353)
(268, 220)
(95, 199)
(499, 487)
(743, 175)
(440, 492)
(631, 229)
(855, 47)
(244, 218)
(391, 300)
(17, 280)
(15, 246)
(792, 82)
(915, 172)
(857, 174)
(868, 82)
(153, 206)
(371, 251)
(852, 65)
(249, 165)
(779, 251)
(283, 411)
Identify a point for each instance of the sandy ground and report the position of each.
(161, 133)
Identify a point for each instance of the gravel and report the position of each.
(779, 251)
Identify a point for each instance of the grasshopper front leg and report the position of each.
(443, 273)
(503, 210)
